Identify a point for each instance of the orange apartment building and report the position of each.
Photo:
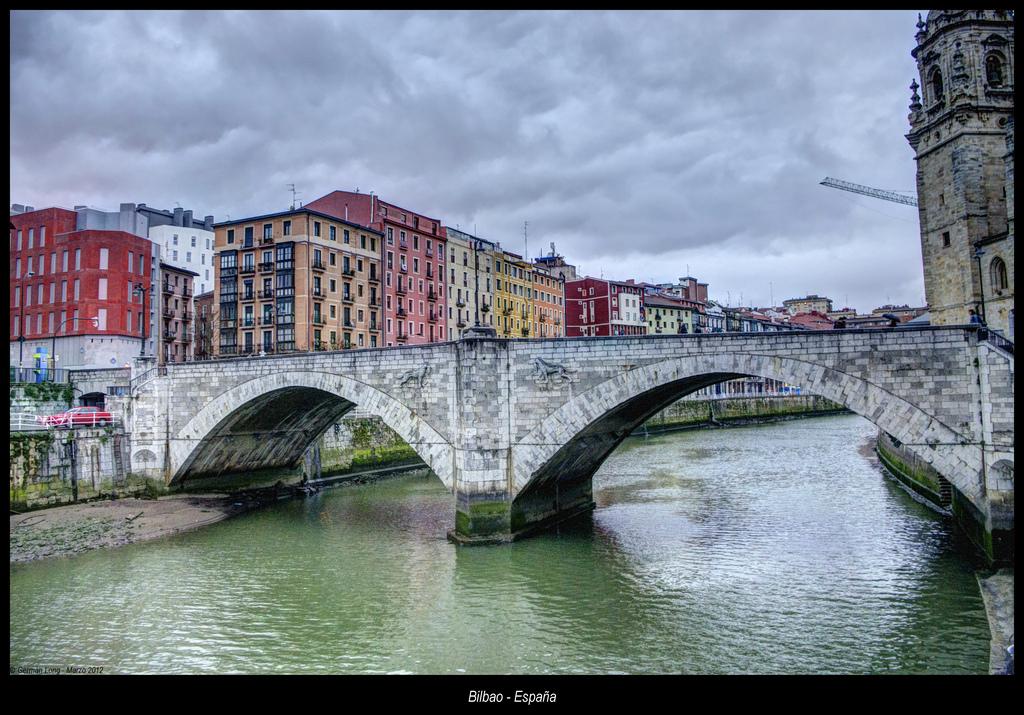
(547, 306)
(176, 314)
(296, 280)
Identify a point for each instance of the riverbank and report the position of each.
(77, 528)
(997, 592)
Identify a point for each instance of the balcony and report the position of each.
(348, 272)
(187, 292)
(318, 293)
(400, 291)
(525, 332)
(267, 239)
(542, 318)
(460, 303)
(558, 321)
(430, 274)
(461, 324)
(373, 325)
(227, 324)
(403, 243)
(228, 350)
(374, 278)
(506, 311)
(318, 266)
(267, 320)
(348, 323)
(248, 322)
(186, 317)
(248, 268)
(169, 289)
(186, 338)
(319, 320)
(401, 312)
(267, 267)
(402, 337)
(347, 298)
(168, 335)
(248, 295)
(168, 311)
(403, 268)
(485, 308)
(431, 295)
(432, 316)
(266, 294)
(430, 252)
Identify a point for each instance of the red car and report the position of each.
(78, 416)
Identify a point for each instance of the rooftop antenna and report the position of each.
(553, 249)
(294, 194)
(526, 245)
(771, 292)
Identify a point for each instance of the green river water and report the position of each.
(766, 549)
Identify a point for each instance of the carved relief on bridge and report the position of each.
(545, 372)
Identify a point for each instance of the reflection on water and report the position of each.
(769, 549)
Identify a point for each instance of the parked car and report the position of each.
(77, 417)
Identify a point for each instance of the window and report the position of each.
(101, 316)
(131, 260)
(316, 228)
(936, 82)
(362, 244)
(333, 233)
(188, 256)
(104, 258)
(945, 238)
(128, 321)
(42, 236)
(333, 258)
(344, 235)
(53, 292)
(78, 260)
(193, 242)
(77, 286)
(142, 270)
(175, 239)
(18, 247)
(53, 263)
(391, 242)
(103, 289)
(63, 291)
(175, 253)
(31, 237)
(994, 71)
(231, 235)
(997, 273)
(248, 237)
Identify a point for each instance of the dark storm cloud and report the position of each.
(638, 142)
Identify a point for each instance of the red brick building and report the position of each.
(594, 306)
(412, 258)
(62, 278)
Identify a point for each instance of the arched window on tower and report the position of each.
(997, 274)
(936, 82)
(994, 70)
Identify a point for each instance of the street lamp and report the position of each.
(476, 280)
(53, 344)
(141, 290)
(21, 324)
(978, 253)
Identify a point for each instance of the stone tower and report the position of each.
(962, 136)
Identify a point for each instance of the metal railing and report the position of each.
(140, 380)
(993, 337)
(25, 422)
(34, 375)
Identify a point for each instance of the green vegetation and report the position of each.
(47, 392)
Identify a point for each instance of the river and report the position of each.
(766, 549)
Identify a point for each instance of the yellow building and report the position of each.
(513, 290)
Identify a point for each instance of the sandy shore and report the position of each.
(72, 529)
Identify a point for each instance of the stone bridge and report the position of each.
(517, 428)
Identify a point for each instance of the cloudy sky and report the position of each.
(644, 144)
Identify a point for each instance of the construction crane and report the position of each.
(868, 191)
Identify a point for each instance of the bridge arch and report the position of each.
(270, 421)
(554, 462)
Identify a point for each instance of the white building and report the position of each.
(184, 242)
